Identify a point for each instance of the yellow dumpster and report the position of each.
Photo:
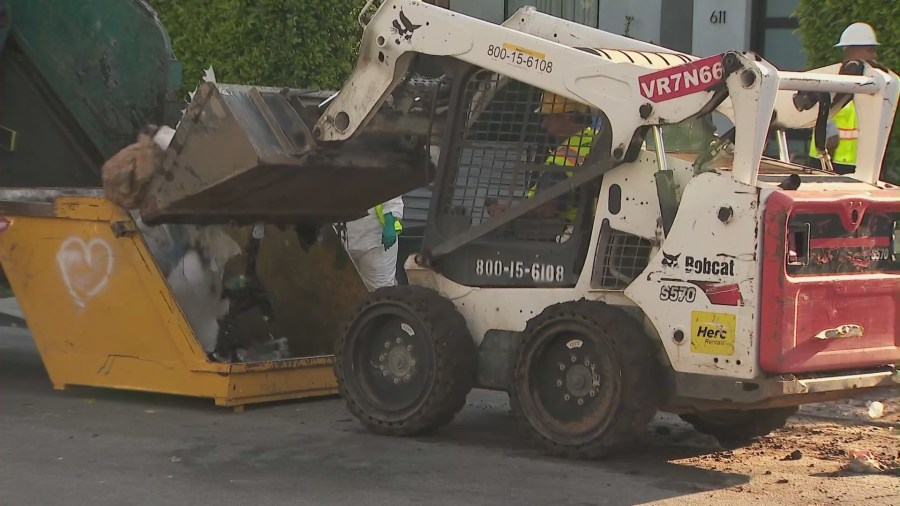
(104, 313)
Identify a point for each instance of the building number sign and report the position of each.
(717, 17)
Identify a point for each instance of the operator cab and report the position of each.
(509, 145)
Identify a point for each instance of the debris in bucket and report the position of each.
(876, 409)
(862, 461)
(209, 76)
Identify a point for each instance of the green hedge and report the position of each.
(821, 24)
(294, 43)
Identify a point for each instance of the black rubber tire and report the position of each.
(739, 426)
(630, 393)
(446, 353)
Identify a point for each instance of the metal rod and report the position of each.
(783, 154)
(825, 157)
(660, 148)
(665, 183)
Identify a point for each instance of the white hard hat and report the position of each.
(858, 34)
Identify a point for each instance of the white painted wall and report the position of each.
(733, 34)
(707, 37)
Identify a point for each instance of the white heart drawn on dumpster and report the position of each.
(85, 267)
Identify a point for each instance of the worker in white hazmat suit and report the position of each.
(371, 242)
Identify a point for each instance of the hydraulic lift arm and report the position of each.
(402, 27)
(529, 48)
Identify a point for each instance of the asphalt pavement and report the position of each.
(10, 312)
(95, 446)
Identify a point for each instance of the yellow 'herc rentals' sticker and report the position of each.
(712, 333)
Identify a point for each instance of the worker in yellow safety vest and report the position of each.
(859, 43)
(371, 242)
(563, 119)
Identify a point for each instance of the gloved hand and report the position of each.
(236, 284)
(388, 234)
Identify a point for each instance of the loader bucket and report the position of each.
(244, 154)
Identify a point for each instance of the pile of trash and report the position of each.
(250, 292)
(193, 258)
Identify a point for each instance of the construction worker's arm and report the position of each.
(394, 207)
(831, 136)
(393, 213)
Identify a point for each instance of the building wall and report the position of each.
(677, 32)
(776, 36)
(636, 18)
(488, 10)
(720, 25)
(700, 27)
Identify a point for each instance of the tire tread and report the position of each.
(454, 373)
(641, 386)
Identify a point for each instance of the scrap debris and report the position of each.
(794, 455)
(876, 409)
(126, 174)
(863, 462)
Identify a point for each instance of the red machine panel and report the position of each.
(830, 281)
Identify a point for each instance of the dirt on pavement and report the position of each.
(857, 409)
(806, 463)
(99, 446)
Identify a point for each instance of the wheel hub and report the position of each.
(396, 360)
(397, 375)
(579, 380)
(569, 380)
(399, 361)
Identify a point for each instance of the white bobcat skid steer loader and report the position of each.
(609, 257)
